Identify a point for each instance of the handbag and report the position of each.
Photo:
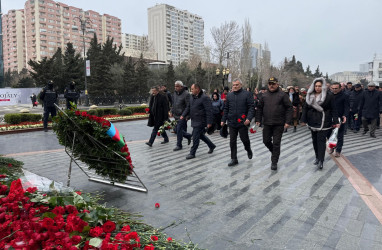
(224, 131)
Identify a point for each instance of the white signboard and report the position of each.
(230, 78)
(87, 67)
(9, 96)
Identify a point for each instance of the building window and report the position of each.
(380, 74)
(380, 65)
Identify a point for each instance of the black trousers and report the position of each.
(319, 143)
(372, 122)
(243, 132)
(198, 133)
(154, 134)
(47, 110)
(272, 135)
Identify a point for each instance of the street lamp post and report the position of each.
(225, 74)
(83, 21)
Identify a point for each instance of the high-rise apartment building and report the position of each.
(176, 34)
(375, 69)
(45, 25)
(134, 46)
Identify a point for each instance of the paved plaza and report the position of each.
(243, 207)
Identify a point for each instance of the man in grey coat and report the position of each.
(180, 100)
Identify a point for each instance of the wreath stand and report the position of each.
(132, 181)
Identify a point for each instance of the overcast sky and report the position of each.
(337, 35)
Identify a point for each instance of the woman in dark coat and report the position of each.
(295, 99)
(217, 109)
(319, 113)
(158, 114)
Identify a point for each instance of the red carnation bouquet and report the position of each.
(253, 129)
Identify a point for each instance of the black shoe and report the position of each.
(294, 130)
(274, 166)
(45, 130)
(177, 148)
(233, 162)
(211, 150)
(355, 131)
(364, 132)
(164, 142)
(320, 164)
(250, 154)
(189, 140)
(316, 161)
(149, 144)
(331, 150)
(190, 157)
(373, 135)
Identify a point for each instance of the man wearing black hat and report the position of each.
(277, 111)
(49, 97)
(354, 102)
(239, 111)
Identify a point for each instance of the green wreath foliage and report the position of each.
(82, 134)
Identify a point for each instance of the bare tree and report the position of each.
(226, 38)
(246, 59)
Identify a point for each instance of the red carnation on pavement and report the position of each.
(243, 116)
(169, 239)
(158, 133)
(157, 205)
(154, 237)
(239, 120)
(108, 226)
(126, 228)
(78, 192)
(31, 190)
(147, 110)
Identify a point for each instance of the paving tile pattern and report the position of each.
(243, 207)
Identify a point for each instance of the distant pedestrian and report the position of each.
(217, 110)
(49, 97)
(276, 109)
(238, 111)
(181, 98)
(319, 112)
(370, 106)
(34, 100)
(158, 114)
(200, 111)
(295, 100)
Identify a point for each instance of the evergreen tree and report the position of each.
(199, 76)
(57, 72)
(100, 79)
(130, 84)
(317, 73)
(299, 67)
(308, 72)
(41, 71)
(73, 67)
(183, 73)
(142, 77)
(170, 77)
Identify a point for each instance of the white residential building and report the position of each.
(375, 69)
(349, 76)
(176, 35)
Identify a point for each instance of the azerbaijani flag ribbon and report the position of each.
(114, 134)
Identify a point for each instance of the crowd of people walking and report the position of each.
(322, 107)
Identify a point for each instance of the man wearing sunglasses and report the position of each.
(276, 111)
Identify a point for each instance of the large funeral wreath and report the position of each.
(94, 141)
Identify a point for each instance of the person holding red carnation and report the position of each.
(158, 109)
(238, 111)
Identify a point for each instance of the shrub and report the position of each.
(100, 112)
(92, 112)
(137, 109)
(125, 111)
(18, 118)
(109, 111)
